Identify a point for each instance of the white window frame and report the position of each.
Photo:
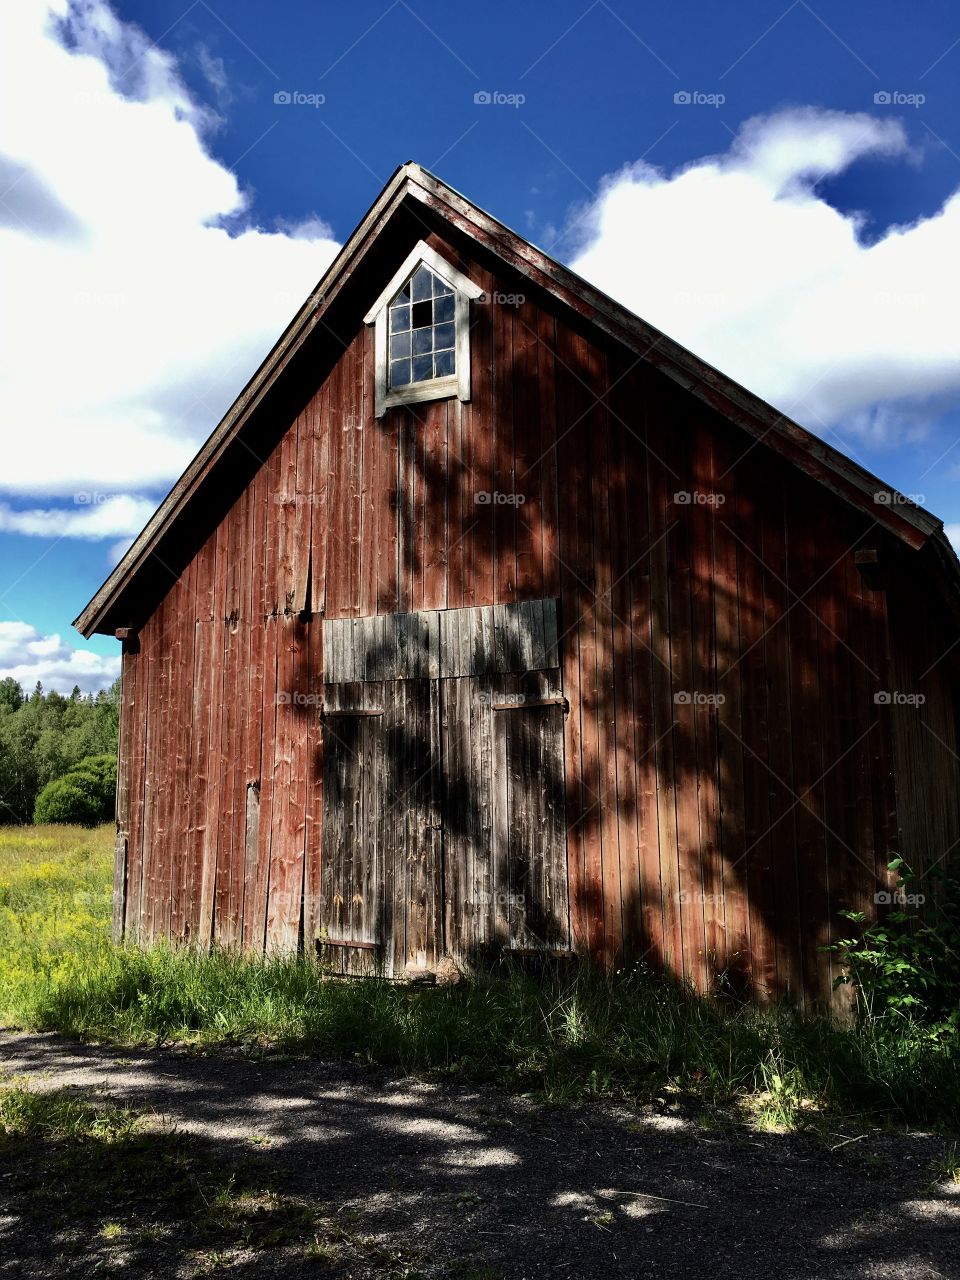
(465, 291)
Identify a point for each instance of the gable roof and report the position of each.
(413, 188)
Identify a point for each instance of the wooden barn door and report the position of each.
(381, 857)
(505, 845)
(443, 788)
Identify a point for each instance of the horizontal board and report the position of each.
(435, 644)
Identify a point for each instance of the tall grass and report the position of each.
(562, 1034)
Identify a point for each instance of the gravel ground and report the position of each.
(439, 1180)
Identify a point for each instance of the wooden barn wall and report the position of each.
(923, 709)
(729, 774)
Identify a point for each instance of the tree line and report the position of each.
(57, 754)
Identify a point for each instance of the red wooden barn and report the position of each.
(490, 617)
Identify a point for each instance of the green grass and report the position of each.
(561, 1036)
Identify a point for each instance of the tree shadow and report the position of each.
(276, 1166)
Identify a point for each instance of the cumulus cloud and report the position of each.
(139, 295)
(741, 259)
(29, 656)
(94, 517)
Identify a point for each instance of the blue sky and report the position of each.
(773, 184)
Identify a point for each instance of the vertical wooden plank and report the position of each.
(585, 906)
(504, 512)
(371, 482)
(678, 446)
(479, 416)
(302, 520)
(763, 863)
(501, 816)
(200, 771)
(627, 517)
(778, 664)
(140, 720)
(527, 451)
(255, 910)
(807, 755)
(351, 462)
(126, 734)
(606, 710)
(226, 914)
(320, 515)
(388, 543)
(182, 781)
(733, 953)
(460, 516)
(662, 485)
(549, 485)
(287, 523)
(288, 817)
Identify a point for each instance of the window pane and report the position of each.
(443, 336)
(422, 314)
(399, 345)
(399, 373)
(440, 288)
(422, 341)
(422, 368)
(422, 284)
(444, 363)
(399, 318)
(443, 308)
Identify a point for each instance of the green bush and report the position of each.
(85, 795)
(906, 966)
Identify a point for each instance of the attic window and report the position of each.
(422, 330)
(422, 335)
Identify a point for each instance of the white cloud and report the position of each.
(133, 316)
(94, 517)
(953, 533)
(740, 259)
(29, 656)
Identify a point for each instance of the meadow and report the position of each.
(560, 1035)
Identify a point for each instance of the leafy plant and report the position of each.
(84, 796)
(906, 965)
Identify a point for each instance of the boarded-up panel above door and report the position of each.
(441, 643)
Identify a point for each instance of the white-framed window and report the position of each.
(422, 331)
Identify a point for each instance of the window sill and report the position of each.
(418, 392)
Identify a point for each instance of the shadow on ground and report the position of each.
(288, 1168)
